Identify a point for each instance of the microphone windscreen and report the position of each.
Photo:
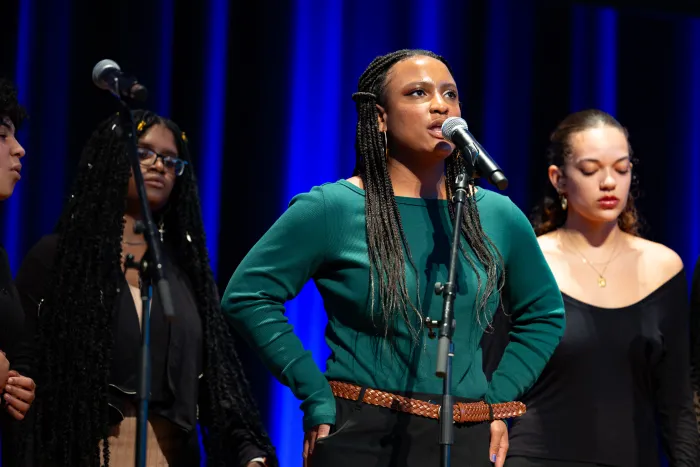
(99, 69)
(450, 125)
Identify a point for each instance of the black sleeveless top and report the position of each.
(619, 378)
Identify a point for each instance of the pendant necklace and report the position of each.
(602, 282)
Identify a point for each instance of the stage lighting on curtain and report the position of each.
(606, 49)
(312, 159)
(594, 59)
(507, 102)
(427, 31)
(212, 144)
(55, 99)
(12, 209)
(684, 213)
(166, 20)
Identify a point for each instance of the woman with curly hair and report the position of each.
(16, 387)
(621, 374)
(86, 309)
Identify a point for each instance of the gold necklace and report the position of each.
(602, 282)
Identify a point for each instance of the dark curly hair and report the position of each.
(385, 236)
(75, 330)
(549, 214)
(9, 105)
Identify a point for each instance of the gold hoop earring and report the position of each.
(386, 145)
(564, 202)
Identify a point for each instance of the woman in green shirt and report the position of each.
(375, 244)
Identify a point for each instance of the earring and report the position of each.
(564, 202)
(386, 145)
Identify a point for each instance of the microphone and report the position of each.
(108, 76)
(455, 130)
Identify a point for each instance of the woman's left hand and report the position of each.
(19, 394)
(499, 443)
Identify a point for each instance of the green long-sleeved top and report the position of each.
(322, 236)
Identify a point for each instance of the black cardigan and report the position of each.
(176, 347)
(15, 346)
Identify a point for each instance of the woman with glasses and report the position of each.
(85, 307)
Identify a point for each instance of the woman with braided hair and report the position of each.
(375, 244)
(86, 310)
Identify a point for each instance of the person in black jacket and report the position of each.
(16, 387)
(86, 309)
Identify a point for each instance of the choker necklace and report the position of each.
(602, 282)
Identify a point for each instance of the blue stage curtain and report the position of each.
(263, 91)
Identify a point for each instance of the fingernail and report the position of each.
(7, 396)
(11, 381)
(493, 457)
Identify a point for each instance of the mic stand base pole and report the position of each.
(145, 377)
(144, 389)
(446, 427)
(447, 325)
(151, 272)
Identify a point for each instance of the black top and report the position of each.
(15, 347)
(11, 319)
(695, 336)
(176, 347)
(616, 373)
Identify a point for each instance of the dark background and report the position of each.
(522, 65)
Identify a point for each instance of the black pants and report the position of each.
(369, 436)
(522, 461)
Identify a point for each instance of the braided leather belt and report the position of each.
(463, 411)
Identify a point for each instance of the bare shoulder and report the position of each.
(549, 242)
(660, 260)
(356, 180)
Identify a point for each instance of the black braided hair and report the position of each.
(385, 236)
(9, 105)
(75, 328)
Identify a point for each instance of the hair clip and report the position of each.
(141, 125)
(184, 137)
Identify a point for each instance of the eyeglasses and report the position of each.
(148, 158)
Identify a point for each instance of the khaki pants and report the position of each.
(164, 440)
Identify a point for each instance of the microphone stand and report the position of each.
(151, 270)
(447, 325)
